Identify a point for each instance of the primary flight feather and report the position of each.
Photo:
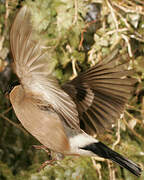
(52, 113)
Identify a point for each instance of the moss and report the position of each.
(5, 172)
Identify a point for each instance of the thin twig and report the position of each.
(7, 110)
(111, 170)
(133, 131)
(117, 134)
(74, 69)
(123, 19)
(128, 44)
(14, 124)
(7, 12)
(132, 107)
(2, 38)
(97, 166)
(132, 117)
(114, 31)
(5, 24)
(127, 9)
(113, 14)
(76, 12)
(92, 56)
(134, 36)
(73, 60)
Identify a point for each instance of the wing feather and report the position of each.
(101, 93)
(33, 67)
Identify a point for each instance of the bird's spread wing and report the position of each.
(101, 93)
(33, 67)
(30, 58)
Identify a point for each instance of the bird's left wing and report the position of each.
(101, 93)
(33, 67)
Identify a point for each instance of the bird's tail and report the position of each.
(103, 151)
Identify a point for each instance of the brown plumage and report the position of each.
(53, 114)
(38, 121)
(101, 93)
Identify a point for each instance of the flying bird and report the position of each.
(62, 117)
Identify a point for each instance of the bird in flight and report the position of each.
(62, 118)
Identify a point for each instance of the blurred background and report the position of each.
(78, 34)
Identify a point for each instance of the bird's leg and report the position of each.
(48, 162)
(54, 156)
(39, 147)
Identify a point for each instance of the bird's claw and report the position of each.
(46, 163)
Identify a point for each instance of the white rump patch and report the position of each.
(79, 141)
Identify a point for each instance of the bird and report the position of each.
(64, 118)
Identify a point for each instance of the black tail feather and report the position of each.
(103, 151)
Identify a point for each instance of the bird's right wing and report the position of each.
(28, 52)
(33, 67)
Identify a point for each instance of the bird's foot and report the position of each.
(46, 163)
(55, 157)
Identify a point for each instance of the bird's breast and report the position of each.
(44, 125)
